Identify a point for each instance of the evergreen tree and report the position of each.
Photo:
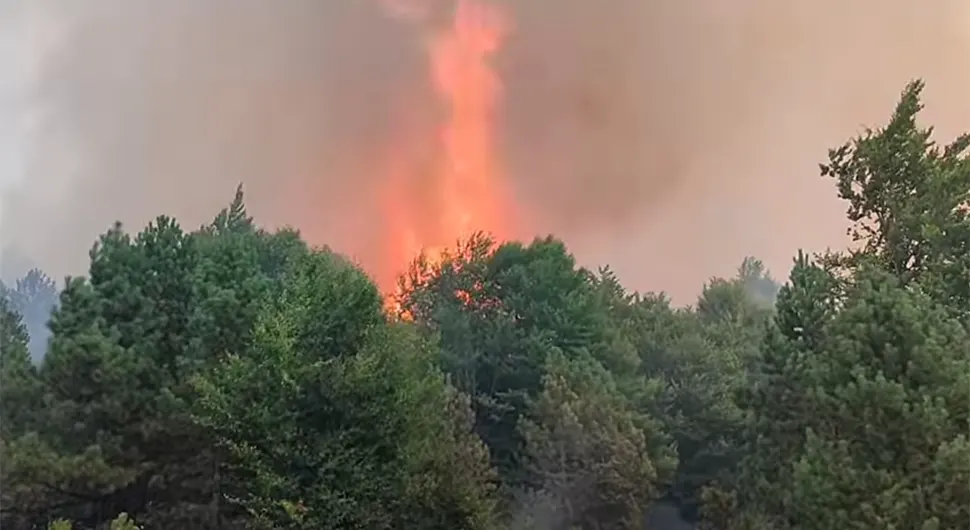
(19, 390)
(909, 202)
(335, 420)
(589, 451)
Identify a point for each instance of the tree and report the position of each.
(240, 268)
(234, 377)
(114, 380)
(891, 396)
(19, 390)
(858, 403)
(61, 469)
(498, 312)
(909, 202)
(157, 308)
(881, 405)
(333, 419)
(774, 388)
(699, 357)
(589, 451)
(733, 311)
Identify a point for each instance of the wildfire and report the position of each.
(468, 189)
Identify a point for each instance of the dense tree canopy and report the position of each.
(234, 377)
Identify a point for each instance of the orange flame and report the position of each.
(462, 77)
(469, 192)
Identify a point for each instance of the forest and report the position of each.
(233, 377)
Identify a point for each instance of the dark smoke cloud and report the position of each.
(667, 137)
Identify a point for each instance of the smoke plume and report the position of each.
(667, 138)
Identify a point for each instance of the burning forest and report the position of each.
(377, 331)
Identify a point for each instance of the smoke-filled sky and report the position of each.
(668, 138)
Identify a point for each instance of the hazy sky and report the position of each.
(25, 34)
(669, 138)
(9, 151)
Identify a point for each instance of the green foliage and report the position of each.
(122, 522)
(333, 419)
(889, 392)
(330, 305)
(733, 311)
(499, 313)
(235, 378)
(240, 268)
(698, 357)
(589, 452)
(112, 378)
(909, 202)
(859, 403)
(110, 406)
(60, 524)
(19, 390)
(852, 427)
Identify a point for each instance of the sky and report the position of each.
(9, 151)
(667, 138)
(11, 168)
(23, 39)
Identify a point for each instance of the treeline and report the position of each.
(233, 377)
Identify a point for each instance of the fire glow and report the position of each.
(469, 191)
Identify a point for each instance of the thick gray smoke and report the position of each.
(669, 138)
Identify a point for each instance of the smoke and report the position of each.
(667, 138)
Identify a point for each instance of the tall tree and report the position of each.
(858, 403)
(157, 308)
(499, 311)
(859, 421)
(909, 202)
(115, 377)
(698, 356)
(240, 268)
(335, 420)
